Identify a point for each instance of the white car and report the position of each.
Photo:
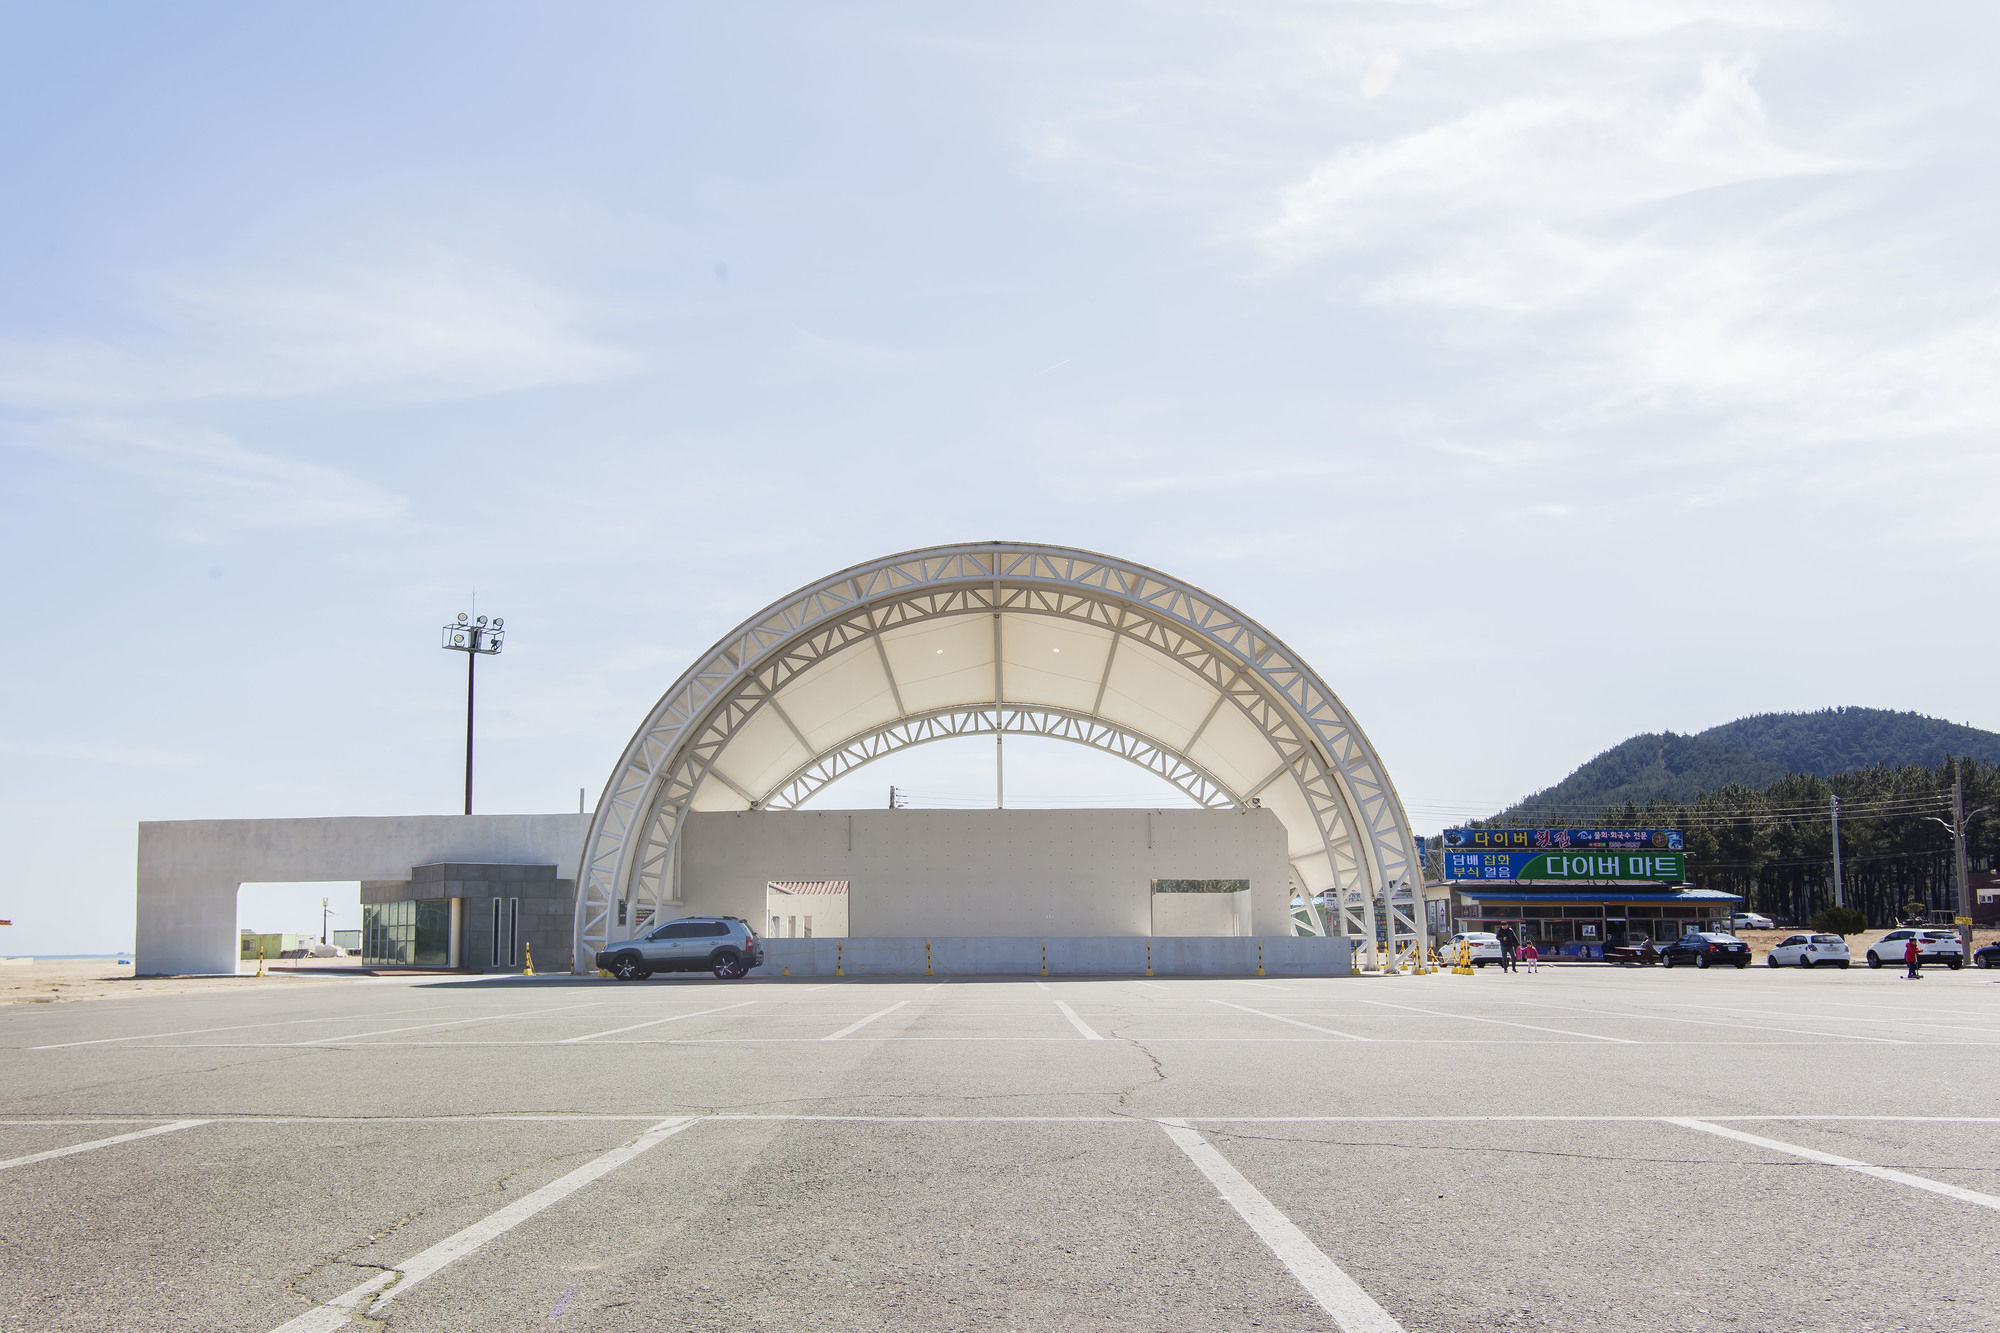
(1751, 921)
(1485, 948)
(1933, 946)
(1809, 951)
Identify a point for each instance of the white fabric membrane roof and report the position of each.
(974, 639)
(949, 664)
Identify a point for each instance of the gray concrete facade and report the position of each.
(189, 870)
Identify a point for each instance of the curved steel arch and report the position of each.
(943, 724)
(629, 853)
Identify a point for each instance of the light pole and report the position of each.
(473, 638)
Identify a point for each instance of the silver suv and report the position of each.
(724, 945)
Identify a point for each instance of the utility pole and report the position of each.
(1959, 819)
(1838, 901)
(1964, 877)
(325, 911)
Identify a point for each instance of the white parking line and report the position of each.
(1078, 1023)
(1845, 1163)
(1721, 1023)
(451, 1023)
(634, 1027)
(1282, 1019)
(1352, 1309)
(233, 1027)
(95, 1144)
(334, 1316)
(1532, 1027)
(1156, 985)
(859, 1024)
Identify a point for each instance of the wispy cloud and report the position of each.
(401, 328)
(1598, 208)
(217, 487)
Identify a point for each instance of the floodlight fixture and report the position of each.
(476, 639)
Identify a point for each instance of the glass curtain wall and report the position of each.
(407, 934)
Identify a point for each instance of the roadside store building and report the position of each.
(1577, 922)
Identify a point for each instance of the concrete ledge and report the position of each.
(993, 956)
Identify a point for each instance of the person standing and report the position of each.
(1531, 956)
(1509, 942)
(1913, 956)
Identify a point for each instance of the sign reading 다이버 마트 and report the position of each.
(1560, 867)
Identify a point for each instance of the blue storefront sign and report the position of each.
(1525, 839)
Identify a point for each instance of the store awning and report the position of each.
(1605, 895)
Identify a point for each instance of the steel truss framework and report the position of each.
(945, 724)
(630, 853)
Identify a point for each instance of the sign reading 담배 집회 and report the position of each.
(1565, 866)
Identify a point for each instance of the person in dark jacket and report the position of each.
(1509, 944)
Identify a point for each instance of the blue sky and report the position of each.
(1543, 372)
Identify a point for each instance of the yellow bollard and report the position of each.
(260, 960)
(1149, 955)
(1463, 967)
(1260, 958)
(839, 950)
(784, 971)
(1045, 957)
(529, 950)
(927, 959)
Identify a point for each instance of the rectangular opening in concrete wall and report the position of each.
(797, 909)
(1201, 907)
(303, 924)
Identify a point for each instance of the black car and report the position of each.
(1706, 949)
(1987, 957)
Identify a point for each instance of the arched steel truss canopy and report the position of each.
(993, 638)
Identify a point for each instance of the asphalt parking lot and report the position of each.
(1584, 1148)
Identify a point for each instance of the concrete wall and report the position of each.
(953, 873)
(189, 870)
(1287, 956)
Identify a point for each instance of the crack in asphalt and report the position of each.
(497, 1185)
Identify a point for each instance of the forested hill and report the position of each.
(1754, 752)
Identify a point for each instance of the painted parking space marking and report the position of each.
(1534, 1027)
(451, 1023)
(1078, 1023)
(861, 1023)
(202, 1032)
(1717, 1022)
(75, 1148)
(1845, 1163)
(339, 1313)
(1280, 1018)
(671, 1018)
(1351, 1309)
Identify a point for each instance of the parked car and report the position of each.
(724, 945)
(1751, 921)
(1933, 946)
(1986, 957)
(1485, 947)
(1809, 951)
(1706, 949)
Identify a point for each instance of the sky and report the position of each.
(1542, 372)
